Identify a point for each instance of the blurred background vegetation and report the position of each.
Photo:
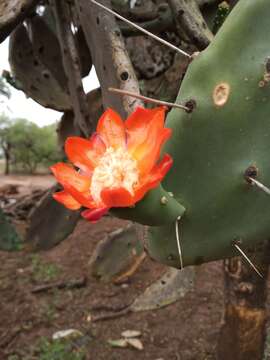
(26, 147)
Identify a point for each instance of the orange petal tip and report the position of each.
(93, 215)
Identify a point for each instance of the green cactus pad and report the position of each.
(158, 207)
(9, 239)
(226, 136)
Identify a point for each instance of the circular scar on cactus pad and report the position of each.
(221, 94)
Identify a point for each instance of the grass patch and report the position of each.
(43, 271)
(59, 350)
(53, 350)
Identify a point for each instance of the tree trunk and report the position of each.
(243, 333)
(7, 160)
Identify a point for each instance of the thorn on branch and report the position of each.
(247, 259)
(141, 29)
(148, 99)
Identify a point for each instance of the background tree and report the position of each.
(5, 142)
(27, 146)
(4, 88)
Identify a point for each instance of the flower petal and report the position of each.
(84, 198)
(141, 117)
(94, 215)
(140, 123)
(66, 175)
(153, 179)
(78, 186)
(66, 199)
(162, 167)
(146, 135)
(121, 197)
(117, 197)
(111, 128)
(97, 144)
(148, 153)
(83, 153)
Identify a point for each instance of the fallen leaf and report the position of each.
(121, 343)
(131, 333)
(70, 333)
(136, 343)
(172, 286)
(89, 318)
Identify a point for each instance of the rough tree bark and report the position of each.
(243, 333)
(71, 63)
(188, 19)
(12, 13)
(163, 22)
(7, 149)
(109, 55)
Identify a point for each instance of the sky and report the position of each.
(20, 106)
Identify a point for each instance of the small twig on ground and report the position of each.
(70, 284)
(9, 337)
(104, 307)
(111, 315)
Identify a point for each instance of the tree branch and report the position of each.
(143, 11)
(202, 3)
(13, 12)
(164, 21)
(112, 63)
(61, 9)
(188, 19)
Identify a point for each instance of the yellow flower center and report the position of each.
(116, 169)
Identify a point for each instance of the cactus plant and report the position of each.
(36, 79)
(219, 147)
(220, 143)
(9, 239)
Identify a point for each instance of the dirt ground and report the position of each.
(185, 330)
(27, 183)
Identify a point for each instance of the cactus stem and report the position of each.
(178, 242)
(259, 185)
(247, 259)
(147, 99)
(141, 29)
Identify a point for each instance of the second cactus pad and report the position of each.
(224, 140)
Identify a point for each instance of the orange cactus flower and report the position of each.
(118, 165)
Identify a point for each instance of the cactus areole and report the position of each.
(220, 149)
